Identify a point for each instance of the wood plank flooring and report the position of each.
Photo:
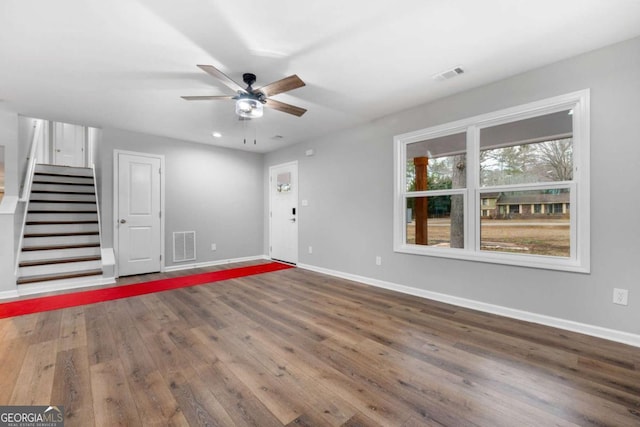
(299, 348)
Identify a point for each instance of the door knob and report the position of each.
(292, 220)
(122, 221)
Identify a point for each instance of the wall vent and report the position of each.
(446, 75)
(184, 246)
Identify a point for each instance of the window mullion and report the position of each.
(472, 233)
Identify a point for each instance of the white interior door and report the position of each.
(283, 203)
(138, 214)
(69, 143)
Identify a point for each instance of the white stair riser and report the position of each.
(85, 189)
(59, 253)
(69, 267)
(62, 217)
(30, 242)
(63, 179)
(64, 170)
(60, 228)
(63, 197)
(44, 206)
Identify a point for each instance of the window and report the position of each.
(507, 187)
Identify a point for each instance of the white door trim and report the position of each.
(271, 168)
(116, 201)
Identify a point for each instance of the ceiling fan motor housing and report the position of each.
(249, 79)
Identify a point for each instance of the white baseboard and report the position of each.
(63, 285)
(13, 293)
(214, 263)
(569, 325)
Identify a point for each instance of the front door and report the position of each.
(69, 142)
(283, 202)
(138, 213)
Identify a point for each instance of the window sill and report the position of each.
(519, 260)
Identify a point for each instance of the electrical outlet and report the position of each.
(213, 247)
(310, 250)
(378, 260)
(620, 296)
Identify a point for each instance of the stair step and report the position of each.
(49, 277)
(58, 228)
(63, 170)
(62, 217)
(54, 182)
(37, 196)
(59, 268)
(61, 207)
(31, 242)
(65, 179)
(60, 247)
(48, 187)
(58, 260)
(37, 199)
(61, 234)
(50, 254)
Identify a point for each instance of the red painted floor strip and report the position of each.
(56, 302)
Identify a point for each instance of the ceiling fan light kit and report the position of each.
(248, 108)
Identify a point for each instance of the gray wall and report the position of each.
(349, 186)
(9, 140)
(215, 191)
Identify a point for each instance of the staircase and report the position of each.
(61, 235)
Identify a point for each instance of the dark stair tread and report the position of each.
(59, 260)
(58, 211)
(47, 277)
(56, 247)
(61, 192)
(86, 184)
(62, 201)
(71, 233)
(49, 173)
(60, 222)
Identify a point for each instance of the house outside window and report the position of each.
(499, 187)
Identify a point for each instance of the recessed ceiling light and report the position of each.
(217, 135)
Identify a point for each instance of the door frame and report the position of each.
(116, 238)
(271, 168)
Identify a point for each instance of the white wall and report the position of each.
(349, 186)
(215, 191)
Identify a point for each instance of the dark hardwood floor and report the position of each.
(299, 348)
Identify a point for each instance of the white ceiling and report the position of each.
(125, 63)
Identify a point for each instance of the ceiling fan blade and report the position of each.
(205, 98)
(283, 85)
(210, 69)
(285, 108)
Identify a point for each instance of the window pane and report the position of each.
(534, 222)
(283, 183)
(539, 149)
(435, 221)
(436, 164)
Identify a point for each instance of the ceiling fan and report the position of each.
(249, 101)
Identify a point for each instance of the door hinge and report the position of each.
(160, 214)
(160, 257)
(270, 214)
(160, 171)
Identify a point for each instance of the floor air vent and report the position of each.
(184, 246)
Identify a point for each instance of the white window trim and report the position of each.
(579, 259)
